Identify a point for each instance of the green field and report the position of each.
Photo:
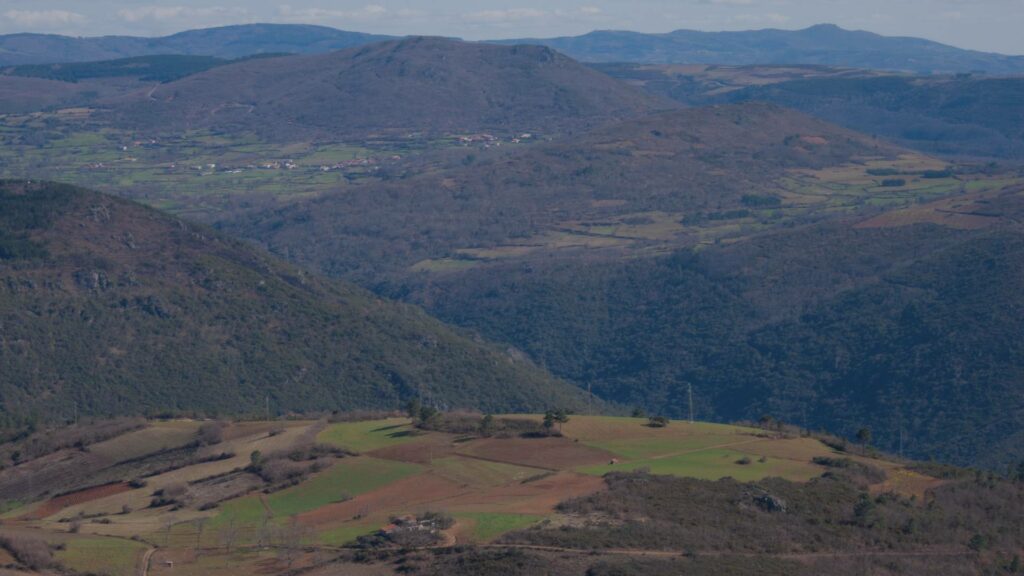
(638, 449)
(110, 556)
(487, 526)
(366, 436)
(347, 533)
(714, 464)
(349, 477)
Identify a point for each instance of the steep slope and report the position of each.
(414, 85)
(223, 42)
(911, 329)
(824, 44)
(107, 307)
(696, 163)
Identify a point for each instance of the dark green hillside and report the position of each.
(428, 85)
(111, 307)
(952, 115)
(163, 68)
(914, 328)
(974, 117)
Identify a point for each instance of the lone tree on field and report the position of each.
(552, 417)
(864, 438)
(562, 417)
(549, 421)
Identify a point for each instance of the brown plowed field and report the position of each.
(422, 452)
(537, 497)
(59, 503)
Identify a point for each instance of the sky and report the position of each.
(990, 25)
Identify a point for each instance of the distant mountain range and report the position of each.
(823, 44)
(224, 42)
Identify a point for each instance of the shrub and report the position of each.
(30, 552)
(657, 421)
(211, 433)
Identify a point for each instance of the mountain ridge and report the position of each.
(823, 44)
(820, 44)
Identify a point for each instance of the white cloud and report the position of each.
(509, 15)
(368, 12)
(43, 18)
(161, 13)
(762, 18)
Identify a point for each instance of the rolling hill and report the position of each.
(107, 307)
(414, 85)
(224, 42)
(824, 44)
(957, 116)
(721, 247)
(658, 169)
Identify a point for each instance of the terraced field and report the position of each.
(490, 486)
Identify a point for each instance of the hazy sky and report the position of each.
(994, 25)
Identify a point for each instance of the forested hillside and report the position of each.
(688, 165)
(107, 307)
(430, 85)
(685, 249)
(960, 116)
(912, 330)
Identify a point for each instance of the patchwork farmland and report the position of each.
(204, 495)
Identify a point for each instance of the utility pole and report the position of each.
(689, 390)
(901, 442)
(590, 400)
(267, 401)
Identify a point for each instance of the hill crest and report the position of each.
(410, 85)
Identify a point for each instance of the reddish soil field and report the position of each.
(421, 452)
(537, 497)
(59, 503)
(544, 453)
(405, 495)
